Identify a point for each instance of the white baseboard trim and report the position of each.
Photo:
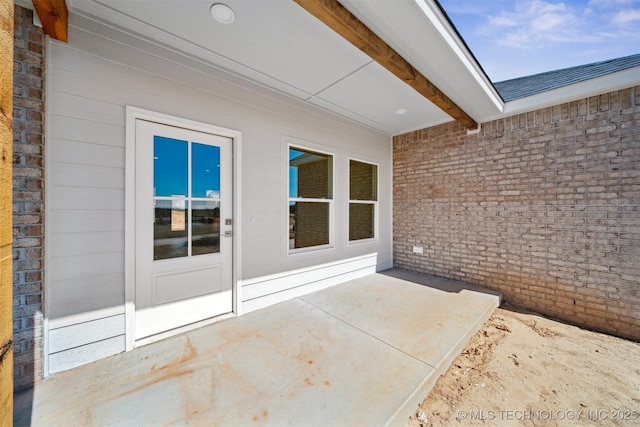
(268, 290)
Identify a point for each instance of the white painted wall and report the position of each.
(89, 83)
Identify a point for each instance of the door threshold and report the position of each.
(182, 329)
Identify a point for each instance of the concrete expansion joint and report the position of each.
(366, 333)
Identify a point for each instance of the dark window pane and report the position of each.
(361, 221)
(205, 171)
(205, 228)
(363, 181)
(310, 174)
(308, 224)
(169, 167)
(170, 229)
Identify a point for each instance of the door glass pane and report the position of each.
(310, 174)
(361, 221)
(308, 224)
(205, 171)
(205, 231)
(169, 166)
(170, 229)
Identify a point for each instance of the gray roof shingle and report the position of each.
(522, 87)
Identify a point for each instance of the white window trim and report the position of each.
(302, 145)
(376, 203)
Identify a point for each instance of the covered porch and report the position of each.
(364, 352)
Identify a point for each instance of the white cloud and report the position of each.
(626, 16)
(522, 37)
(541, 7)
(550, 22)
(529, 23)
(610, 3)
(532, 24)
(502, 22)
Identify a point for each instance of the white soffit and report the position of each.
(278, 44)
(268, 42)
(376, 94)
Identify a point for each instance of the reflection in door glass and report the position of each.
(205, 227)
(186, 206)
(205, 171)
(169, 166)
(170, 237)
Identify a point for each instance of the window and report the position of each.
(363, 200)
(186, 199)
(310, 198)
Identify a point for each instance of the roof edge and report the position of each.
(439, 18)
(584, 89)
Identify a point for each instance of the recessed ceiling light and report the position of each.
(401, 111)
(223, 13)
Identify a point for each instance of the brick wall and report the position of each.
(28, 197)
(542, 206)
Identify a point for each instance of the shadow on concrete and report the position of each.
(22, 407)
(440, 283)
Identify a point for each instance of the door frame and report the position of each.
(133, 114)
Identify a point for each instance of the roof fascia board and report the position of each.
(434, 14)
(592, 87)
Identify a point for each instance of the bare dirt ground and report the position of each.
(522, 369)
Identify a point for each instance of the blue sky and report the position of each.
(515, 38)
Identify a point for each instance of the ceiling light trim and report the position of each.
(223, 13)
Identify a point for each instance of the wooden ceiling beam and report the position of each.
(54, 17)
(343, 22)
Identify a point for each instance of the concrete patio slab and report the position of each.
(365, 352)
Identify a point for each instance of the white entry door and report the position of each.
(183, 227)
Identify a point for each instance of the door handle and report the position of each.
(228, 233)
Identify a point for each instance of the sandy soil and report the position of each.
(522, 369)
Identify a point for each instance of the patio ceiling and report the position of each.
(278, 44)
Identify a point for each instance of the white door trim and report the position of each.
(133, 114)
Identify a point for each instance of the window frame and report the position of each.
(331, 202)
(375, 203)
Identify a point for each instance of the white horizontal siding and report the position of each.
(81, 175)
(80, 343)
(96, 295)
(90, 81)
(86, 221)
(69, 337)
(86, 154)
(264, 291)
(90, 109)
(88, 353)
(78, 244)
(84, 131)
